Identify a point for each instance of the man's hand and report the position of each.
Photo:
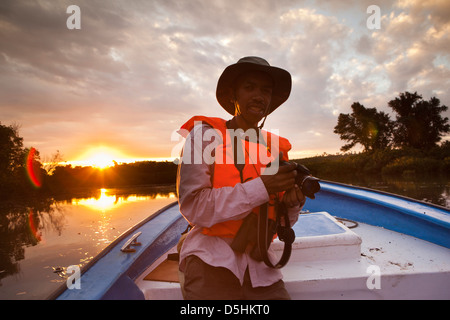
(283, 180)
(294, 197)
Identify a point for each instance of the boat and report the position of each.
(351, 243)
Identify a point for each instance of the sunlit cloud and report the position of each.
(136, 71)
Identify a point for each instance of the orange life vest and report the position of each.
(226, 174)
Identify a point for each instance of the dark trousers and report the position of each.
(205, 282)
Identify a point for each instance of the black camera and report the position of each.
(306, 182)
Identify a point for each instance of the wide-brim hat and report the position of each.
(282, 82)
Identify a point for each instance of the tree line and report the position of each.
(405, 162)
(24, 175)
(120, 175)
(408, 144)
(419, 124)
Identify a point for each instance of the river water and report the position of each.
(38, 242)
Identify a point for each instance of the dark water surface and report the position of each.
(38, 242)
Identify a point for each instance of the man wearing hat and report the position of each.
(230, 183)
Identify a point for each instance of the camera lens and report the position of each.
(310, 186)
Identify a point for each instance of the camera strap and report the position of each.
(285, 234)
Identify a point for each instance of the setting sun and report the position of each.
(100, 157)
(101, 160)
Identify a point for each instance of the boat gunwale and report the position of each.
(441, 216)
(390, 194)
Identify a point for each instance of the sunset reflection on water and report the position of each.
(111, 208)
(108, 199)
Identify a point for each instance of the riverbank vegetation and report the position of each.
(24, 176)
(406, 162)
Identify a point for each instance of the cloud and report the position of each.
(137, 70)
(412, 43)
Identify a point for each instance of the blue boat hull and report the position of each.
(111, 274)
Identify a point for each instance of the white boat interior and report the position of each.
(329, 260)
